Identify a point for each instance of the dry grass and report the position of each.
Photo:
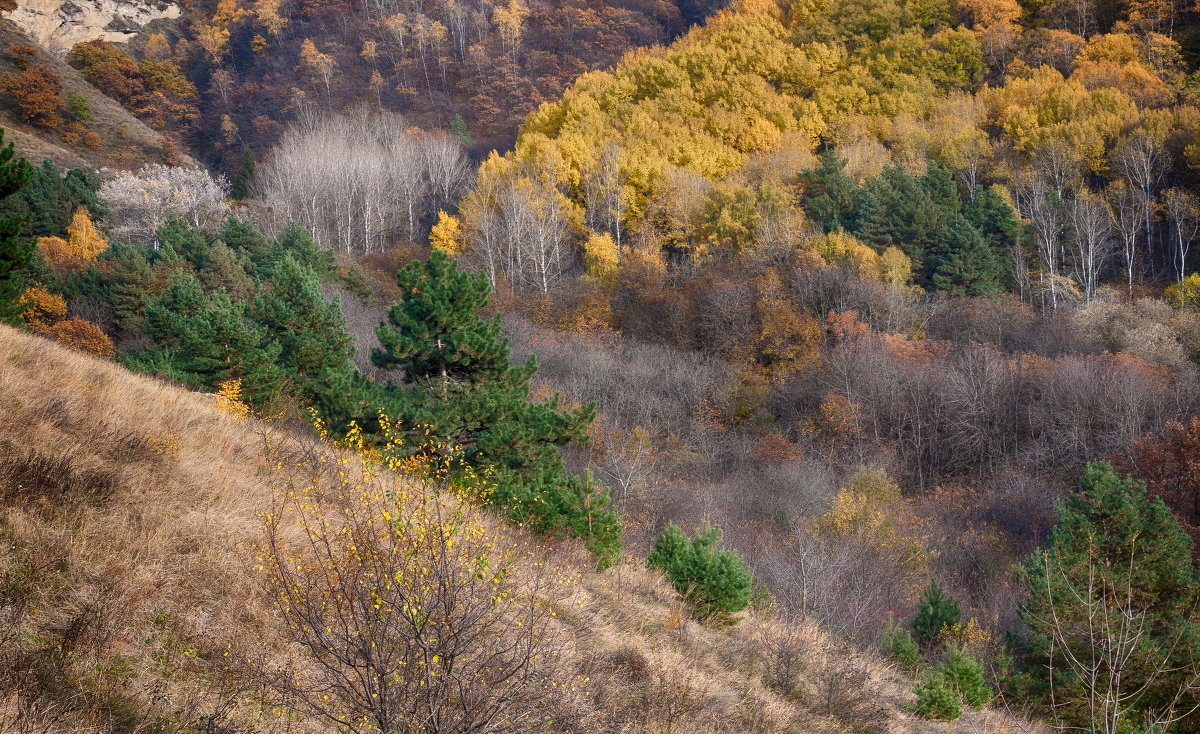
(128, 515)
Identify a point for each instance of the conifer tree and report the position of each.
(242, 186)
(50, 199)
(830, 195)
(204, 341)
(716, 581)
(15, 250)
(131, 282)
(462, 385)
(936, 612)
(1113, 610)
(314, 345)
(963, 262)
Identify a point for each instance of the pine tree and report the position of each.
(249, 244)
(898, 210)
(205, 341)
(716, 581)
(15, 251)
(314, 344)
(131, 282)
(997, 223)
(1116, 590)
(51, 198)
(242, 186)
(461, 383)
(830, 197)
(963, 263)
(936, 612)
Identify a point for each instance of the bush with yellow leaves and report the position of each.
(410, 614)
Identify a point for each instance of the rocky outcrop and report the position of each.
(60, 24)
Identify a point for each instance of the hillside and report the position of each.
(123, 140)
(131, 509)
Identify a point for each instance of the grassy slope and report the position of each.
(126, 142)
(128, 509)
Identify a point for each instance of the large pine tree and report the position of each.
(1113, 610)
(461, 384)
(15, 250)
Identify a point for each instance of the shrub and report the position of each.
(937, 611)
(899, 644)
(965, 675)
(79, 107)
(936, 698)
(82, 335)
(715, 581)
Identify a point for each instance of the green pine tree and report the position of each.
(936, 612)
(242, 186)
(963, 263)
(997, 223)
(315, 347)
(51, 197)
(830, 196)
(461, 383)
(965, 674)
(715, 581)
(899, 210)
(204, 341)
(222, 270)
(1115, 588)
(936, 698)
(16, 251)
(131, 282)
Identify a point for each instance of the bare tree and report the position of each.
(1092, 239)
(140, 203)
(1141, 161)
(1183, 212)
(1040, 202)
(1108, 647)
(362, 181)
(408, 616)
(1126, 207)
(519, 229)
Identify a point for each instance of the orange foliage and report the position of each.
(82, 335)
(85, 240)
(775, 448)
(845, 326)
(39, 93)
(42, 308)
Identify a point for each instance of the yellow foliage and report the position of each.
(867, 503)
(229, 398)
(1185, 294)
(839, 416)
(600, 256)
(840, 248)
(447, 235)
(84, 239)
(895, 268)
(790, 337)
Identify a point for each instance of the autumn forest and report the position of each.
(625, 366)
